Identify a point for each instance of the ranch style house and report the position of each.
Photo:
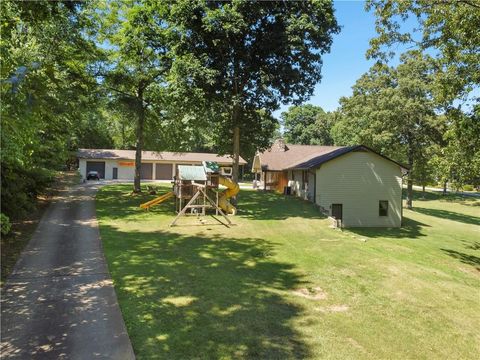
(353, 184)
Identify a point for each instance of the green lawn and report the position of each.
(282, 284)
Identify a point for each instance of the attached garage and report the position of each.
(147, 171)
(98, 166)
(163, 171)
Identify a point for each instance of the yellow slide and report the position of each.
(232, 190)
(157, 200)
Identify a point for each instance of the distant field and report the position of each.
(282, 284)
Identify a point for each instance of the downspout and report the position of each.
(401, 198)
(401, 205)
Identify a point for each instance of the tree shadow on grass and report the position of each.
(203, 296)
(437, 195)
(474, 246)
(450, 215)
(118, 203)
(410, 229)
(464, 258)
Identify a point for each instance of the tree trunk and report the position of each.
(445, 187)
(139, 145)
(236, 117)
(409, 192)
(236, 148)
(423, 191)
(236, 153)
(409, 179)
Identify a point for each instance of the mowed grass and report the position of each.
(281, 284)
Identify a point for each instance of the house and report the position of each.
(120, 164)
(354, 184)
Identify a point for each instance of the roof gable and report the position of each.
(275, 160)
(319, 160)
(304, 157)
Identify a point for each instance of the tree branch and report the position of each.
(449, 2)
(466, 2)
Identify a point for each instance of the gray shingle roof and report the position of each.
(114, 154)
(276, 160)
(303, 157)
(318, 160)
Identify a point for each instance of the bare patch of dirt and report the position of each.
(469, 270)
(356, 344)
(347, 272)
(334, 308)
(314, 293)
(394, 270)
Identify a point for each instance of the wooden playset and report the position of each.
(196, 191)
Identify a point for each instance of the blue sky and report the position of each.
(346, 61)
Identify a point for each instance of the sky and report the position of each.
(346, 61)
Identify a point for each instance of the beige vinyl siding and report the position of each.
(359, 180)
(128, 172)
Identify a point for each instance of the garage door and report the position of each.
(163, 171)
(97, 166)
(147, 171)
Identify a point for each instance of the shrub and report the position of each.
(468, 187)
(5, 224)
(20, 188)
(248, 176)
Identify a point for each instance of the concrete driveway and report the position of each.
(59, 302)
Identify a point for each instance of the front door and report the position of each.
(337, 211)
(115, 173)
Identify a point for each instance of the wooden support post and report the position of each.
(182, 212)
(195, 204)
(220, 210)
(204, 204)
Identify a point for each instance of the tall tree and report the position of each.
(254, 55)
(307, 125)
(392, 111)
(45, 59)
(457, 160)
(449, 31)
(447, 28)
(138, 63)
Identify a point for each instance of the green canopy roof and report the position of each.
(211, 166)
(187, 172)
